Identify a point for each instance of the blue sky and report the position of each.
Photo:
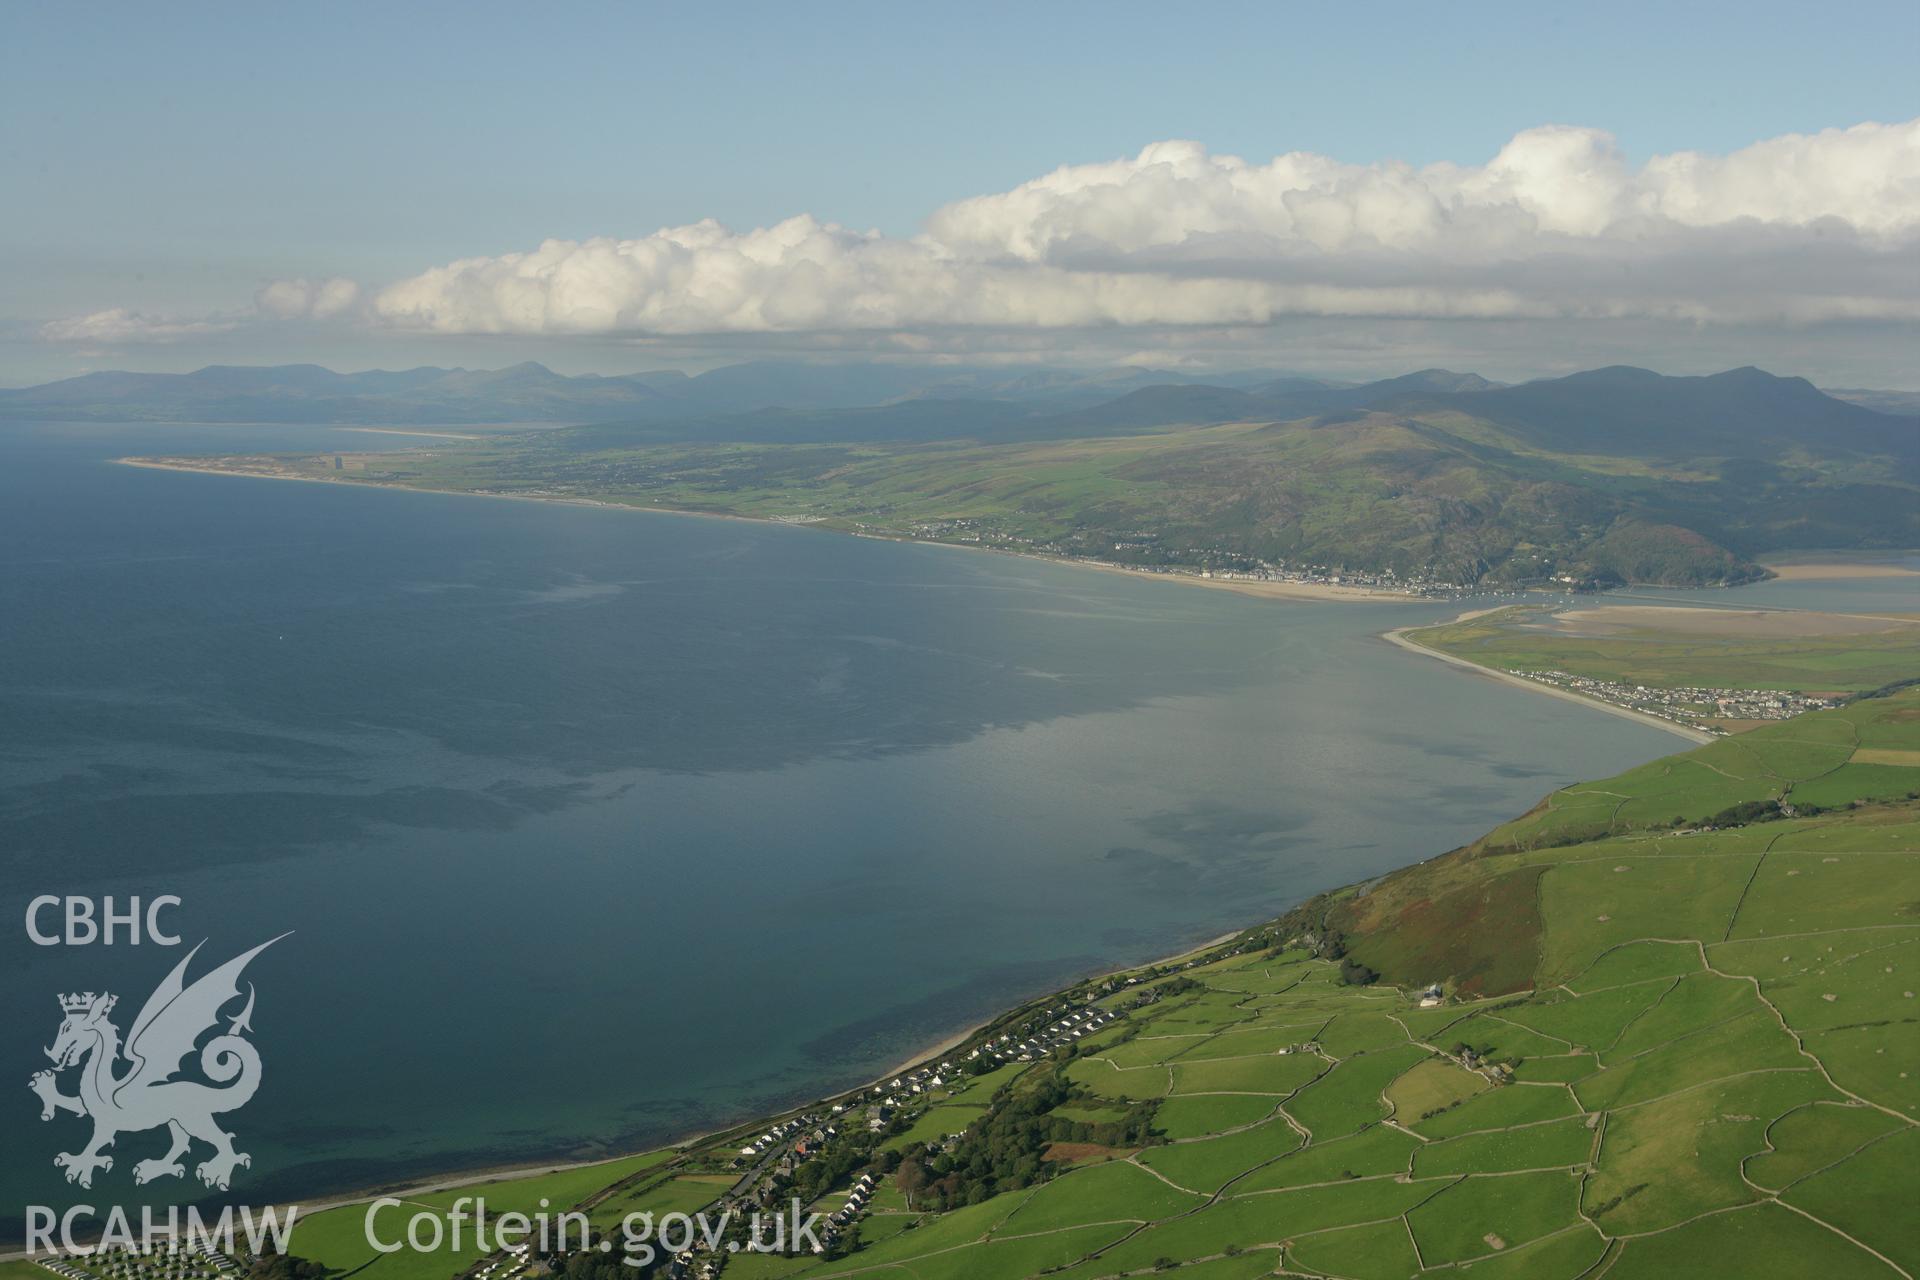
(175, 159)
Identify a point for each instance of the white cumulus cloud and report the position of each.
(1797, 230)
(304, 299)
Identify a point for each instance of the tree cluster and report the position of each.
(283, 1266)
(1005, 1149)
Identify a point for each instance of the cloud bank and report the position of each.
(280, 300)
(118, 326)
(1795, 230)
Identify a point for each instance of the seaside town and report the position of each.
(1704, 709)
(1143, 553)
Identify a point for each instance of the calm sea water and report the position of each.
(598, 827)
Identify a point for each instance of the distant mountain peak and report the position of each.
(1613, 373)
(1744, 413)
(1448, 380)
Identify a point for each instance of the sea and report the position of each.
(581, 830)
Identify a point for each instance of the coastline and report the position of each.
(924, 1057)
(1262, 590)
(1399, 637)
(455, 1180)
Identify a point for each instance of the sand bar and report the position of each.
(398, 431)
(1398, 636)
(1839, 570)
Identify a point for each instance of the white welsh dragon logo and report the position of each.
(147, 1096)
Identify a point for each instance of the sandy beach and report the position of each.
(923, 1057)
(399, 431)
(168, 464)
(1264, 590)
(1836, 570)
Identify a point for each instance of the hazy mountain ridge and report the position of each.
(530, 392)
(1905, 403)
(1060, 400)
(1622, 410)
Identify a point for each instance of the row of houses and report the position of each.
(1065, 1030)
(859, 1200)
(221, 1262)
(887, 1097)
(922, 1080)
(513, 1264)
(807, 1145)
(776, 1135)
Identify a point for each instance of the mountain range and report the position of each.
(1743, 413)
(532, 393)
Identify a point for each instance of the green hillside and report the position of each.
(1665, 1050)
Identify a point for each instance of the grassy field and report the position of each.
(1524, 639)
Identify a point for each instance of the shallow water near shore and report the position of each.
(598, 827)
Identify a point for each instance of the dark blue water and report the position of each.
(597, 827)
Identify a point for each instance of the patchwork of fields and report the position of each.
(1734, 1102)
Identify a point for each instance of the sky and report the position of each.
(1345, 190)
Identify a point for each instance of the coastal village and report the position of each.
(841, 1158)
(1704, 709)
(770, 1161)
